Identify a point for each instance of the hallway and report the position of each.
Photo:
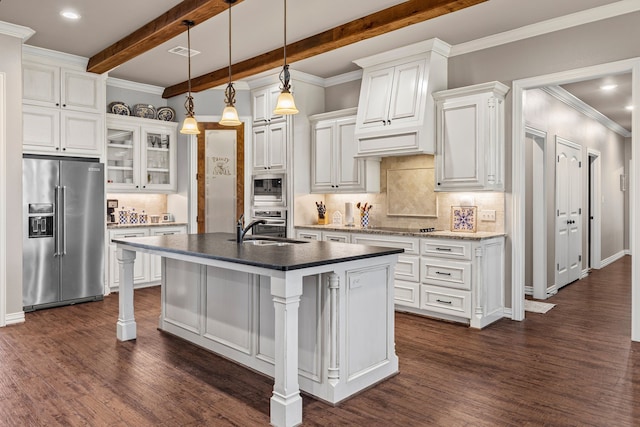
(574, 365)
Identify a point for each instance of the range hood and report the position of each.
(396, 112)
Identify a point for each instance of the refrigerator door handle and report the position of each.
(64, 220)
(56, 233)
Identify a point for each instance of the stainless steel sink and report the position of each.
(265, 243)
(269, 241)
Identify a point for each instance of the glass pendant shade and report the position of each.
(190, 126)
(285, 104)
(230, 117)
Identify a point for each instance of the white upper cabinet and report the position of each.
(263, 103)
(470, 138)
(395, 110)
(53, 86)
(141, 155)
(334, 167)
(270, 147)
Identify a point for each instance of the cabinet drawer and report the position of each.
(125, 234)
(447, 301)
(168, 231)
(408, 268)
(308, 235)
(456, 249)
(406, 293)
(410, 246)
(331, 236)
(441, 272)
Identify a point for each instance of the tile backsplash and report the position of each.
(414, 203)
(152, 204)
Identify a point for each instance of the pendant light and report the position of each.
(286, 104)
(190, 125)
(230, 114)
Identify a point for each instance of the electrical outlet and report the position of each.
(489, 215)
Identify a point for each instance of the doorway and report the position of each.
(220, 177)
(594, 244)
(517, 206)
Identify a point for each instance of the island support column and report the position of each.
(286, 403)
(126, 327)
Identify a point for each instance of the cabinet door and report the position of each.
(407, 92)
(40, 129)
(264, 102)
(81, 133)
(349, 170)
(460, 153)
(260, 135)
(323, 158)
(374, 101)
(122, 157)
(277, 146)
(41, 84)
(158, 159)
(156, 261)
(140, 266)
(80, 91)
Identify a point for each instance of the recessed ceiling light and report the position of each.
(629, 107)
(608, 87)
(69, 14)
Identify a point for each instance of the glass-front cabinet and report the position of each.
(141, 155)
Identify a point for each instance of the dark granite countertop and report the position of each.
(405, 231)
(222, 247)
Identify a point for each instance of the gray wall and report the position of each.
(546, 113)
(133, 97)
(11, 65)
(341, 96)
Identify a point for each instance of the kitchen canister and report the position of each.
(123, 216)
(364, 219)
(142, 218)
(133, 216)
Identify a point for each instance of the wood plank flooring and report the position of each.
(573, 366)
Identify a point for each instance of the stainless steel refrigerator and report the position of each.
(63, 239)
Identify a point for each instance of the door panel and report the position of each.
(568, 212)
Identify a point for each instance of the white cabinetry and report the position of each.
(470, 138)
(407, 274)
(147, 269)
(395, 110)
(329, 236)
(53, 86)
(141, 155)
(263, 103)
(463, 279)
(61, 111)
(269, 131)
(334, 167)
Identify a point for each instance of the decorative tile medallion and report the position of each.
(463, 218)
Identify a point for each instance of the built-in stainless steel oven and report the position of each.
(276, 222)
(268, 190)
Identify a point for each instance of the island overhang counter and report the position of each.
(316, 316)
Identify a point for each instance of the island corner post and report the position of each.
(356, 286)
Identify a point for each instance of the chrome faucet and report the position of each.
(240, 232)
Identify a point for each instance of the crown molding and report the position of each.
(40, 54)
(343, 78)
(580, 106)
(14, 30)
(544, 27)
(423, 47)
(139, 87)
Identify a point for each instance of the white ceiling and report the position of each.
(257, 27)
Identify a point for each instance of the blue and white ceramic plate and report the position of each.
(144, 110)
(166, 113)
(119, 108)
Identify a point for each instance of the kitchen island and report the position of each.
(316, 316)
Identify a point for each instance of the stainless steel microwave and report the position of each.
(268, 190)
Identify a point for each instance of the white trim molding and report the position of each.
(14, 30)
(15, 318)
(549, 26)
(586, 109)
(613, 258)
(595, 251)
(3, 203)
(53, 56)
(139, 87)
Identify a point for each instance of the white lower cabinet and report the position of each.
(147, 269)
(449, 278)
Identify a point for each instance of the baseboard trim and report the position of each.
(584, 273)
(613, 258)
(528, 290)
(14, 318)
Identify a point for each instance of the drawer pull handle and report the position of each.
(333, 239)
(307, 237)
(130, 235)
(170, 233)
(444, 302)
(443, 274)
(443, 249)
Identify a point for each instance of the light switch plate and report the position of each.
(488, 215)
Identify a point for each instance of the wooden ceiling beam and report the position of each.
(163, 28)
(390, 19)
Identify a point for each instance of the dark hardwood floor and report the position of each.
(574, 366)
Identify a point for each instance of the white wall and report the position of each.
(11, 65)
(546, 113)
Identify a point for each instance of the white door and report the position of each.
(568, 212)
(220, 181)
